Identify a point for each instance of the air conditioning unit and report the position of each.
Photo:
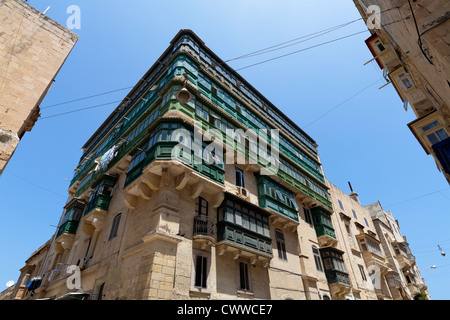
(243, 191)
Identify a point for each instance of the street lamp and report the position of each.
(432, 267)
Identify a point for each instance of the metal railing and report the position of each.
(204, 226)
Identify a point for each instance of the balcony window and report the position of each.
(201, 207)
(101, 194)
(333, 260)
(369, 245)
(71, 218)
(323, 223)
(277, 198)
(437, 136)
(430, 126)
(244, 225)
(334, 265)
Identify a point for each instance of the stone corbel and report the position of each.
(144, 191)
(237, 254)
(182, 180)
(152, 181)
(218, 200)
(130, 201)
(221, 251)
(254, 260)
(197, 190)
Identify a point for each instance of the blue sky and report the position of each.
(364, 140)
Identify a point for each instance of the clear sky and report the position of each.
(364, 140)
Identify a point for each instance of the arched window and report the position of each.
(281, 244)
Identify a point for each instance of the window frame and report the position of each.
(115, 226)
(242, 177)
(281, 244)
(201, 271)
(244, 276)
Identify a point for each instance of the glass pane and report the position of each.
(430, 126)
(442, 134)
(433, 138)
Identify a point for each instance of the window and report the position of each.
(239, 175)
(437, 136)
(115, 227)
(363, 273)
(430, 126)
(354, 214)
(281, 244)
(201, 207)
(350, 235)
(367, 223)
(317, 259)
(308, 217)
(201, 272)
(244, 277)
(340, 204)
(407, 83)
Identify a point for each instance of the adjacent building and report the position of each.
(243, 212)
(404, 276)
(411, 45)
(33, 48)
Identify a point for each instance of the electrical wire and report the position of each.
(84, 98)
(34, 184)
(418, 34)
(77, 110)
(418, 197)
(340, 104)
(261, 51)
(284, 44)
(302, 50)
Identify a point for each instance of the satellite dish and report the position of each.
(10, 283)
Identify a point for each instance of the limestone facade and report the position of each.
(32, 50)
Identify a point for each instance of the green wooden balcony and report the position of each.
(338, 277)
(323, 223)
(324, 230)
(244, 238)
(69, 226)
(163, 151)
(99, 202)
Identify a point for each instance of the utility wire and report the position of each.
(84, 98)
(34, 184)
(301, 50)
(340, 104)
(77, 110)
(418, 197)
(96, 106)
(261, 51)
(311, 36)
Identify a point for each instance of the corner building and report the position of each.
(141, 226)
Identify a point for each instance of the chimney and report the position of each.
(353, 194)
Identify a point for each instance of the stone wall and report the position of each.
(32, 50)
